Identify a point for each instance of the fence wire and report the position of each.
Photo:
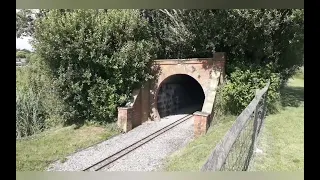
(241, 153)
(235, 151)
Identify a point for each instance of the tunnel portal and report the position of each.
(179, 94)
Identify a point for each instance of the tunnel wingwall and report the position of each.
(208, 72)
(134, 113)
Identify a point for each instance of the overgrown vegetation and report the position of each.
(37, 104)
(242, 85)
(95, 58)
(260, 45)
(86, 63)
(22, 54)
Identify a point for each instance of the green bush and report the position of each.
(37, 105)
(252, 39)
(96, 58)
(21, 54)
(254, 36)
(240, 89)
(30, 113)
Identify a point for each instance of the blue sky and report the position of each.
(23, 43)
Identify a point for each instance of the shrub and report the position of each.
(37, 105)
(30, 113)
(96, 58)
(21, 54)
(240, 89)
(253, 39)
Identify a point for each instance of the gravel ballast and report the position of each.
(149, 157)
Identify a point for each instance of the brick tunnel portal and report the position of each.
(179, 94)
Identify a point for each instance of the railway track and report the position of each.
(108, 161)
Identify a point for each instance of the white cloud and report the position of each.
(23, 43)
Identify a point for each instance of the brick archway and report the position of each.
(208, 72)
(177, 93)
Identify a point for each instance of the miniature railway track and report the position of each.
(108, 161)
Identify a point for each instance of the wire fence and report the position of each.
(236, 149)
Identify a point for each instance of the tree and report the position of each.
(24, 53)
(77, 45)
(25, 21)
(21, 54)
(247, 36)
(24, 50)
(95, 57)
(260, 45)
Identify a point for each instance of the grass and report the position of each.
(282, 139)
(193, 156)
(36, 152)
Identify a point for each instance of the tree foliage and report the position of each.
(260, 44)
(95, 57)
(25, 21)
(21, 54)
(247, 36)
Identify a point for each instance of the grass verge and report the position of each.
(36, 152)
(193, 156)
(282, 139)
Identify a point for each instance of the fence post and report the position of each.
(264, 110)
(254, 133)
(255, 112)
(256, 122)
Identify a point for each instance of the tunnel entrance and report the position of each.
(179, 94)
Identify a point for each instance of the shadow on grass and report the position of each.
(292, 96)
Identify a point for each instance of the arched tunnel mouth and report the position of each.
(179, 94)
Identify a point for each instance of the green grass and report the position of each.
(282, 139)
(193, 156)
(36, 152)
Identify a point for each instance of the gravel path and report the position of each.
(148, 157)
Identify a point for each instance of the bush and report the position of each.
(21, 54)
(253, 40)
(255, 36)
(37, 105)
(96, 58)
(30, 113)
(240, 89)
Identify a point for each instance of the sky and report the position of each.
(23, 43)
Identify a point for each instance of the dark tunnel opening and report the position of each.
(179, 94)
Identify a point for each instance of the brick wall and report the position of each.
(201, 123)
(130, 117)
(137, 113)
(125, 118)
(144, 107)
(171, 97)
